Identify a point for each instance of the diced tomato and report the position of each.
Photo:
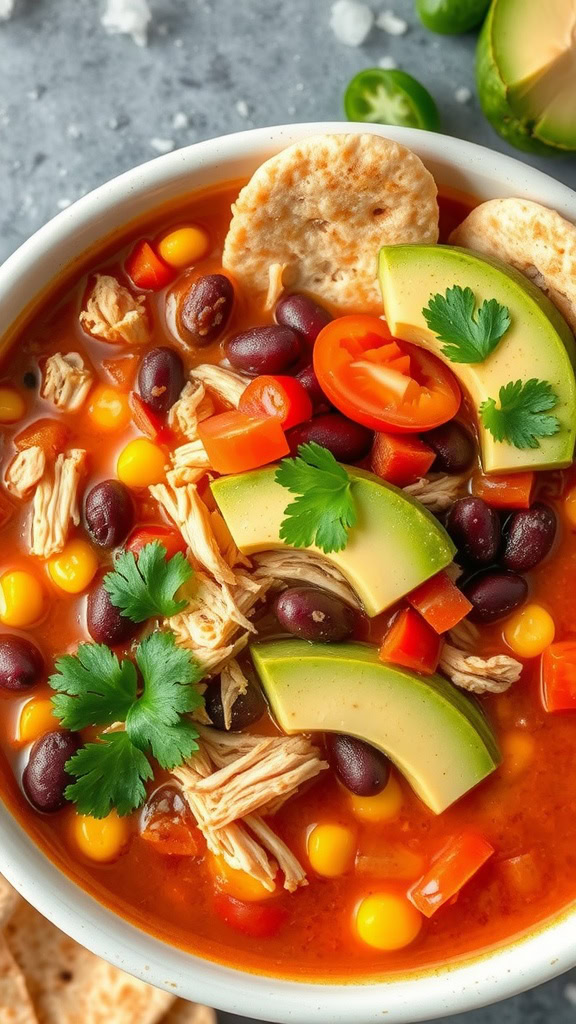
(512, 491)
(558, 676)
(121, 370)
(146, 270)
(440, 602)
(381, 382)
(148, 421)
(412, 643)
(236, 442)
(170, 539)
(400, 459)
(257, 920)
(453, 866)
(282, 397)
(50, 435)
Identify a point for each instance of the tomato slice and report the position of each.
(259, 921)
(381, 382)
(283, 397)
(236, 442)
(169, 539)
(146, 269)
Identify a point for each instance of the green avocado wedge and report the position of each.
(538, 344)
(437, 737)
(395, 545)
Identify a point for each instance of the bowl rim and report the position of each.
(544, 952)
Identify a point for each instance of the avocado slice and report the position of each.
(538, 343)
(395, 545)
(436, 736)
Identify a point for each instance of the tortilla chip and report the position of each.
(15, 1004)
(322, 208)
(9, 899)
(190, 1013)
(537, 241)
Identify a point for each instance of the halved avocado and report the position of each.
(395, 545)
(436, 736)
(538, 343)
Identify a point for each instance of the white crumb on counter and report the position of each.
(242, 108)
(463, 94)
(162, 145)
(6, 9)
(391, 23)
(63, 204)
(129, 18)
(570, 994)
(73, 131)
(180, 120)
(351, 22)
(387, 63)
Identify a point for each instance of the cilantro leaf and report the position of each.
(324, 510)
(145, 588)
(95, 688)
(522, 417)
(470, 336)
(153, 722)
(110, 773)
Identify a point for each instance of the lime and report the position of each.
(378, 96)
(450, 17)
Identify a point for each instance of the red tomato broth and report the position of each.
(172, 896)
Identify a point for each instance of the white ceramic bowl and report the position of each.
(470, 983)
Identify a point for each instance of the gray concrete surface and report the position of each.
(77, 107)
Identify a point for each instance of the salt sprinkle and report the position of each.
(390, 23)
(299, 86)
(74, 132)
(351, 22)
(242, 108)
(63, 172)
(296, 57)
(570, 994)
(179, 43)
(129, 18)
(463, 94)
(33, 94)
(63, 204)
(6, 9)
(180, 120)
(162, 145)
(388, 63)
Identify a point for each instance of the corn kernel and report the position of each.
(74, 568)
(141, 463)
(184, 246)
(570, 506)
(101, 839)
(36, 718)
(386, 806)
(12, 405)
(331, 850)
(529, 631)
(21, 598)
(387, 921)
(109, 409)
(518, 751)
(237, 883)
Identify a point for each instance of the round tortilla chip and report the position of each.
(322, 208)
(533, 239)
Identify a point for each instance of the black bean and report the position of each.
(494, 594)
(161, 378)
(303, 315)
(264, 350)
(363, 769)
(246, 710)
(108, 513)
(45, 777)
(205, 309)
(104, 622)
(348, 441)
(310, 382)
(529, 535)
(454, 446)
(21, 663)
(314, 614)
(475, 530)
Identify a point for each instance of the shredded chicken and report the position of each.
(25, 471)
(275, 284)
(193, 406)
(114, 314)
(279, 566)
(213, 660)
(55, 504)
(190, 463)
(479, 675)
(216, 611)
(465, 635)
(225, 384)
(67, 381)
(233, 684)
(226, 543)
(438, 490)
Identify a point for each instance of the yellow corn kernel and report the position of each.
(101, 839)
(570, 506)
(386, 806)
(184, 246)
(74, 568)
(518, 751)
(36, 718)
(238, 883)
(141, 463)
(529, 631)
(387, 921)
(109, 409)
(331, 849)
(12, 405)
(21, 599)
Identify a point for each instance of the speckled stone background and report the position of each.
(78, 106)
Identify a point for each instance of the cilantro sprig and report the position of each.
(523, 415)
(471, 335)
(144, 588)
(324, 510)
(95, 688)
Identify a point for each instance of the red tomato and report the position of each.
(258, 920)
(146, 269)
(285, 398)
(455, 864)
(399, 459)
(149, 422)
(381, 382)
(440, 602)
(236, 442)
(558, 674)
(412, 643)
(170, 539)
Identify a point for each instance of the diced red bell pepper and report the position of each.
(400, 459)
(558, 676)
(149, 422)
(257, 920)
(412, 643)
(170, 539)
(455, 864)
(512, 491)
(146, 270)
(51, 436)
(440, 602)
(282, 397)
(236, 442)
